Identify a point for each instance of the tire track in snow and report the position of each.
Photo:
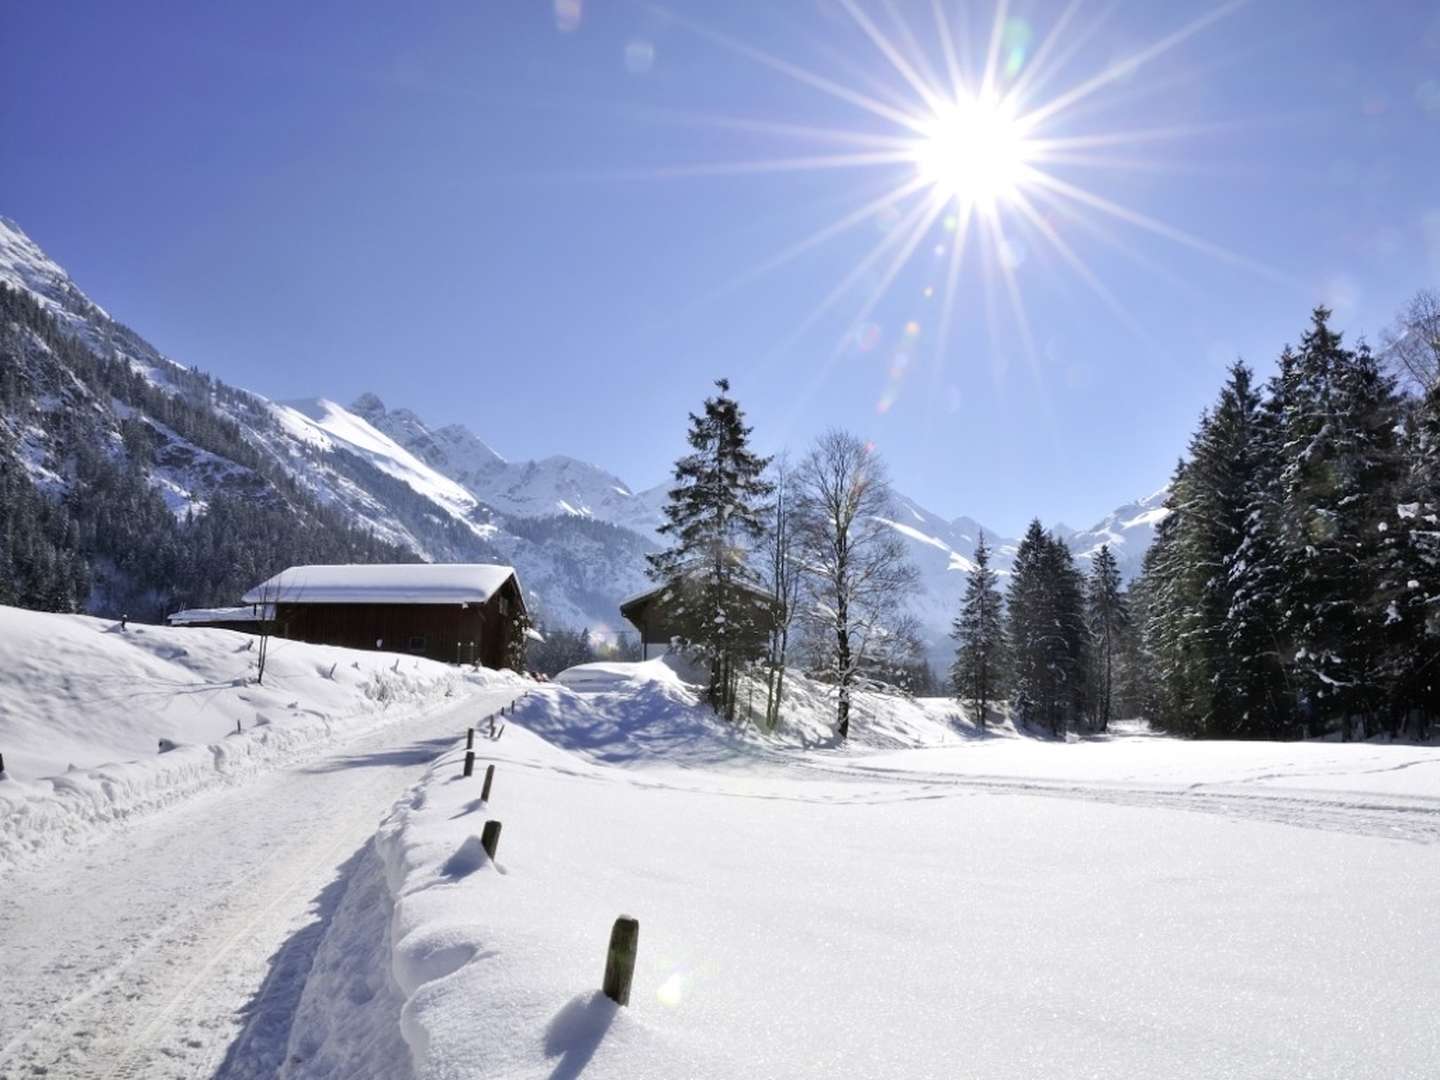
(139, 966)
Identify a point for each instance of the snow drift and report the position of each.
(86, 707)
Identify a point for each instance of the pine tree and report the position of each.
(1046, 633)
(1108, 617)
(1169, 615)
(1341, 470)
(1024, 630)
(979, 633)
(1409, 578)
(1254, 626)
(1070, 648)
(714, 517)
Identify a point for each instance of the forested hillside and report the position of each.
(85, 445)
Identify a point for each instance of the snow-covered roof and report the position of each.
(655, 590)
(214, 614)
(384, 583)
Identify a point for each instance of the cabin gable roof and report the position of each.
(386, 583)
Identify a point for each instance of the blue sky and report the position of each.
(490, 212)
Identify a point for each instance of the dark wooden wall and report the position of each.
(446, 632)
(450, 633)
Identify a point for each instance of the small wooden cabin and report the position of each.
(660, 614)
(460, 613)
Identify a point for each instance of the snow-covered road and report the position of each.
(130, 958)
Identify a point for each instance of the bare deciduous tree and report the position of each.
(1412, 345)
(854, 561)
(782, 576)
(265, 626)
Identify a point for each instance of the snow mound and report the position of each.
(84, 705)
(656, 710)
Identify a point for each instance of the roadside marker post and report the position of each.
(620, 959)
(490, 838)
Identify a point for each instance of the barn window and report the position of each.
(504, 605)
(417, 643)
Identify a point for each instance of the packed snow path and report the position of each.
(147, 954)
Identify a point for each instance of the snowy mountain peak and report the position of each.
(369, 406)
(24, 266)
(454, 449)
(558, 484)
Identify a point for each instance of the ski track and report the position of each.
(141, 956)
(1413, 818)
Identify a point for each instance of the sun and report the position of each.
(973, 151)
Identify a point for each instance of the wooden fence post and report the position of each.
(470, 738)
(2, 762)
(620, 960)
(489, 779)
(469, 762)
(490, 838)
(492, 725)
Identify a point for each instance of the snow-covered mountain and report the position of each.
(552, 485)
(576, 532)
(309, 454)
(1129, 530)
(943, 551)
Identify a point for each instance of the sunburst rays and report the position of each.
(976, 126)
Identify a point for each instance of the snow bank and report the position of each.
(86, 706)
(484, 971)
(658, 706)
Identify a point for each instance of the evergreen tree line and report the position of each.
(561, 647)
(1049, 645)
(1294, 589)
(98, 537)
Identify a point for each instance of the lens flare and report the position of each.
(672, 991)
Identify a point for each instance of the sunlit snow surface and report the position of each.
(995, 907)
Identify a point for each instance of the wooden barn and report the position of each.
(460, 613)
(660, 613)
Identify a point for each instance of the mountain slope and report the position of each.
(193, 455)
(552, 485)
(186, 443)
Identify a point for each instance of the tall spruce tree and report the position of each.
(714, 517)
(1341, 471)
(1169, 616)
(978, 674)
(1046, 633)
(1109, 617)
(1254, 631)
(1409, 578)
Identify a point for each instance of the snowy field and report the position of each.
(899, 913)
(929, 901)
